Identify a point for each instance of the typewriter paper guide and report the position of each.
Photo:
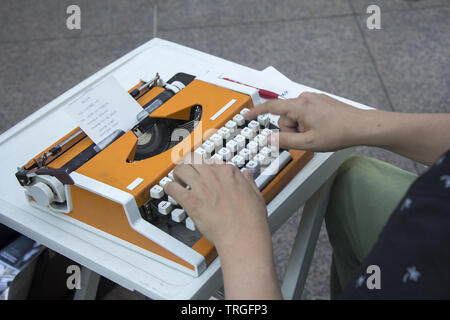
(104, 109)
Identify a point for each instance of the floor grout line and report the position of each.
(372, 58)
(155, 20)
(353, 13)
(260, 22)
(415, 166)
(352, 7)
(331, 16)
(93, 36)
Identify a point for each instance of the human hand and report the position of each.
(225, 204)
(314, 122)
(229, 210)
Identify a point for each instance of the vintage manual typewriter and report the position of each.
(115, 188)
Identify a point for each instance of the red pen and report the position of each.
(265, 94)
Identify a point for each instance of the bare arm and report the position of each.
(420, 137)
(317, 122)
(229, 210)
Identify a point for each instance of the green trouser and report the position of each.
(363, 196)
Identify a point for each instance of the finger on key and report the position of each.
(179, 193)
(185, 174)
(291, 140)
(279, 107)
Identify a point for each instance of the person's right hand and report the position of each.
(314, 122)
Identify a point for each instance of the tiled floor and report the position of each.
(319, 43)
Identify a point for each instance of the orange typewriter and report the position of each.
(115, 188)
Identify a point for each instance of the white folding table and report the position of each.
(100, 256)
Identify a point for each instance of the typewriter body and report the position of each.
(116, 189)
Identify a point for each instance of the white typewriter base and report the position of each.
(118, 263)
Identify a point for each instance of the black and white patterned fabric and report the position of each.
(412, 254)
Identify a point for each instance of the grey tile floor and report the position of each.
(323, 44)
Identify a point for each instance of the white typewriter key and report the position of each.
(253, 147)
(172, 200)
(245, 153)
(164, 181)
(231, 163)
(164, 207)
(244, 111)
(261, 140)
(240, 139)
(156, 192)
(190, 224)
(265, 161)
(170, 175)
(266, 151)
(239, 119)
(275, 151)
(225, 133)
(178, 215)
(217, 158)
(248, 133)
(231, 125)
(209, 146)
(254, 125)
(217, 140)
(261, 160)
(225, 153)
(201, 152)
(263, 119)
(238, 161)
(254, 166)
(266, 132)
(232, 145)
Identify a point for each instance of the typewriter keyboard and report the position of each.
(240, 143)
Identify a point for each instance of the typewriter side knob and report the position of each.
(47, 191)
(41, 193)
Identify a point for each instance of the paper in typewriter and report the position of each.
(104, 109)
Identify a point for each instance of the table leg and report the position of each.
(89, 285)
(305, 242)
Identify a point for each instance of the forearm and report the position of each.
(420, 137)
(248, 270)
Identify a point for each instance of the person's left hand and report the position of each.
(229, 210)
(225, 204)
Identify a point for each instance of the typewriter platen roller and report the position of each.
(106, 188)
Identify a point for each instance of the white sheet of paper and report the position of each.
(104, 109)
(293, 90)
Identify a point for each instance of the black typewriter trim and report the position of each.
(161, 130)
